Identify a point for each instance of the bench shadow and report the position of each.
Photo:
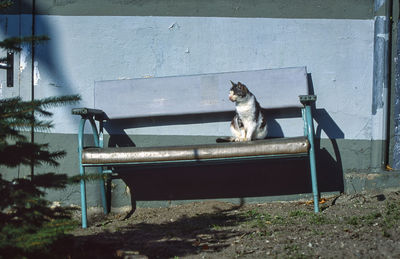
(329, 166)
(250, 179)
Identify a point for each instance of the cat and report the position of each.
(249, 122)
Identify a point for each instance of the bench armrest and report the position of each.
(87, 112)
(307, 99)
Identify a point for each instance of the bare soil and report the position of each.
(365, 225)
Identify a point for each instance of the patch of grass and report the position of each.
(258, 219)
(353, 220)
(216, 227)
(392, 214)
(263, 220)
(299, 213)
(319, 219)
(280, 220)
(253, 214)
(313, 218)
(369, 219)
(391, 218)
(387, 220)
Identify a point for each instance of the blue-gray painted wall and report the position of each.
(93, 41)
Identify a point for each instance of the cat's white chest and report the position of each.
(246, 110)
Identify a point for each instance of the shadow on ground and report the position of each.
(363, 225)
(186, 235)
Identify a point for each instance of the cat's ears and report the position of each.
(233, 84)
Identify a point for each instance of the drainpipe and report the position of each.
(396, 148)
(32, 78)
(380, 89)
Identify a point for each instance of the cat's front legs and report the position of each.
(249, 133)
(240, 135)
(237, 130)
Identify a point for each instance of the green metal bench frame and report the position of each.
(93, 115)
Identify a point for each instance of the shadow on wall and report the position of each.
(329, 168)
(47, 54)
(249, 179)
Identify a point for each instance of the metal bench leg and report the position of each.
(310, 134)
(99, 143)
(82, 173)
(83, 198)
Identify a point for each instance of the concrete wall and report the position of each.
(107, 40)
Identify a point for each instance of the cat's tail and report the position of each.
(226, 139)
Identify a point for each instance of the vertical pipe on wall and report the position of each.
(396, 115)
(382, 9)
(32, 77)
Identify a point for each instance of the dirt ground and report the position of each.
(365, 225)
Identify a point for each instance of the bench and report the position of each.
(191, 96)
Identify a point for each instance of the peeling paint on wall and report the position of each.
(173, 26)
(384, 36)
(23, 58)
(378, 4)
(36, 73)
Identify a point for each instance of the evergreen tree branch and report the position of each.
(28, 153)
(14, 43)
(6, 4)
(50, 180)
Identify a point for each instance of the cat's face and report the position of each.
(237, 92)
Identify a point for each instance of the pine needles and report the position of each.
(24, 212)
(28, 224)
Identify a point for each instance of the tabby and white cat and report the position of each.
(249, 122)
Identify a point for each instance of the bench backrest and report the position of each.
(208, 93)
